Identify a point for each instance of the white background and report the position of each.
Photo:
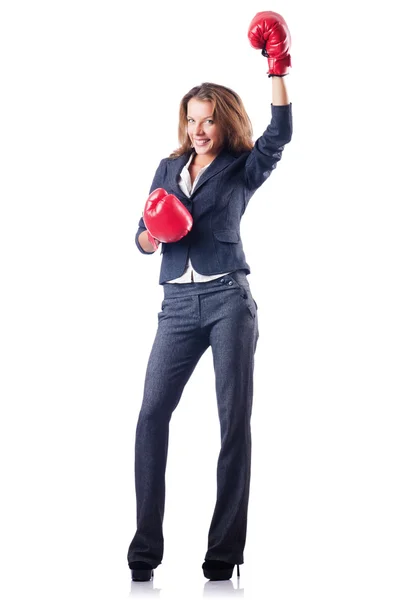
(89, 106)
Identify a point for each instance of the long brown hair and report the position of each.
(229, 113)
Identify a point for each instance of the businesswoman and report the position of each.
(197, 199)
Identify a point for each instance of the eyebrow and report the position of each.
(209, 117)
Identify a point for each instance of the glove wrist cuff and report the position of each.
(279, 66)
(152, 240)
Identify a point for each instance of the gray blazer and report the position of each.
(219, 201)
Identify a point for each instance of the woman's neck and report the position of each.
(202, 162)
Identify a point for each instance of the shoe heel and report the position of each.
(140, 570)
(219, 572)
(142, 574)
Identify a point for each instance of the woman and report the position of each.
(207, 300)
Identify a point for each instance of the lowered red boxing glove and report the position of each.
(165, 217)
(269, 32)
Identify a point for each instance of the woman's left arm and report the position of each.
(268, 148)
(269, 32)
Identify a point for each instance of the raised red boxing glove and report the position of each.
(165, 217)
(269, 32)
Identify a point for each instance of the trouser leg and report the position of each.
(233, 340)
(177, 348)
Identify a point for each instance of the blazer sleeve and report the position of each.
(158, 181)
(267, 151)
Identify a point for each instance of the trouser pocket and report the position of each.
(245, 292)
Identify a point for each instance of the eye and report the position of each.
(190, 120)
(210, 121)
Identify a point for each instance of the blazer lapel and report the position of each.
(176, 167)
(219, 163)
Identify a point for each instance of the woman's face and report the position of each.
(203, 131)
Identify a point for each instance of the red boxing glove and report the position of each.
(165, 217)
(269, 32)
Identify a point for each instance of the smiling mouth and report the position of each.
(202, 142)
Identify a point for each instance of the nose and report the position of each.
(198, 129)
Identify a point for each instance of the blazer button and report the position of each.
(230, 282)
(222, 281)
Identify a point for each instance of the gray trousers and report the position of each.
(220, 313)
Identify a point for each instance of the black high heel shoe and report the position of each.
(218, 570)
(141, 571)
